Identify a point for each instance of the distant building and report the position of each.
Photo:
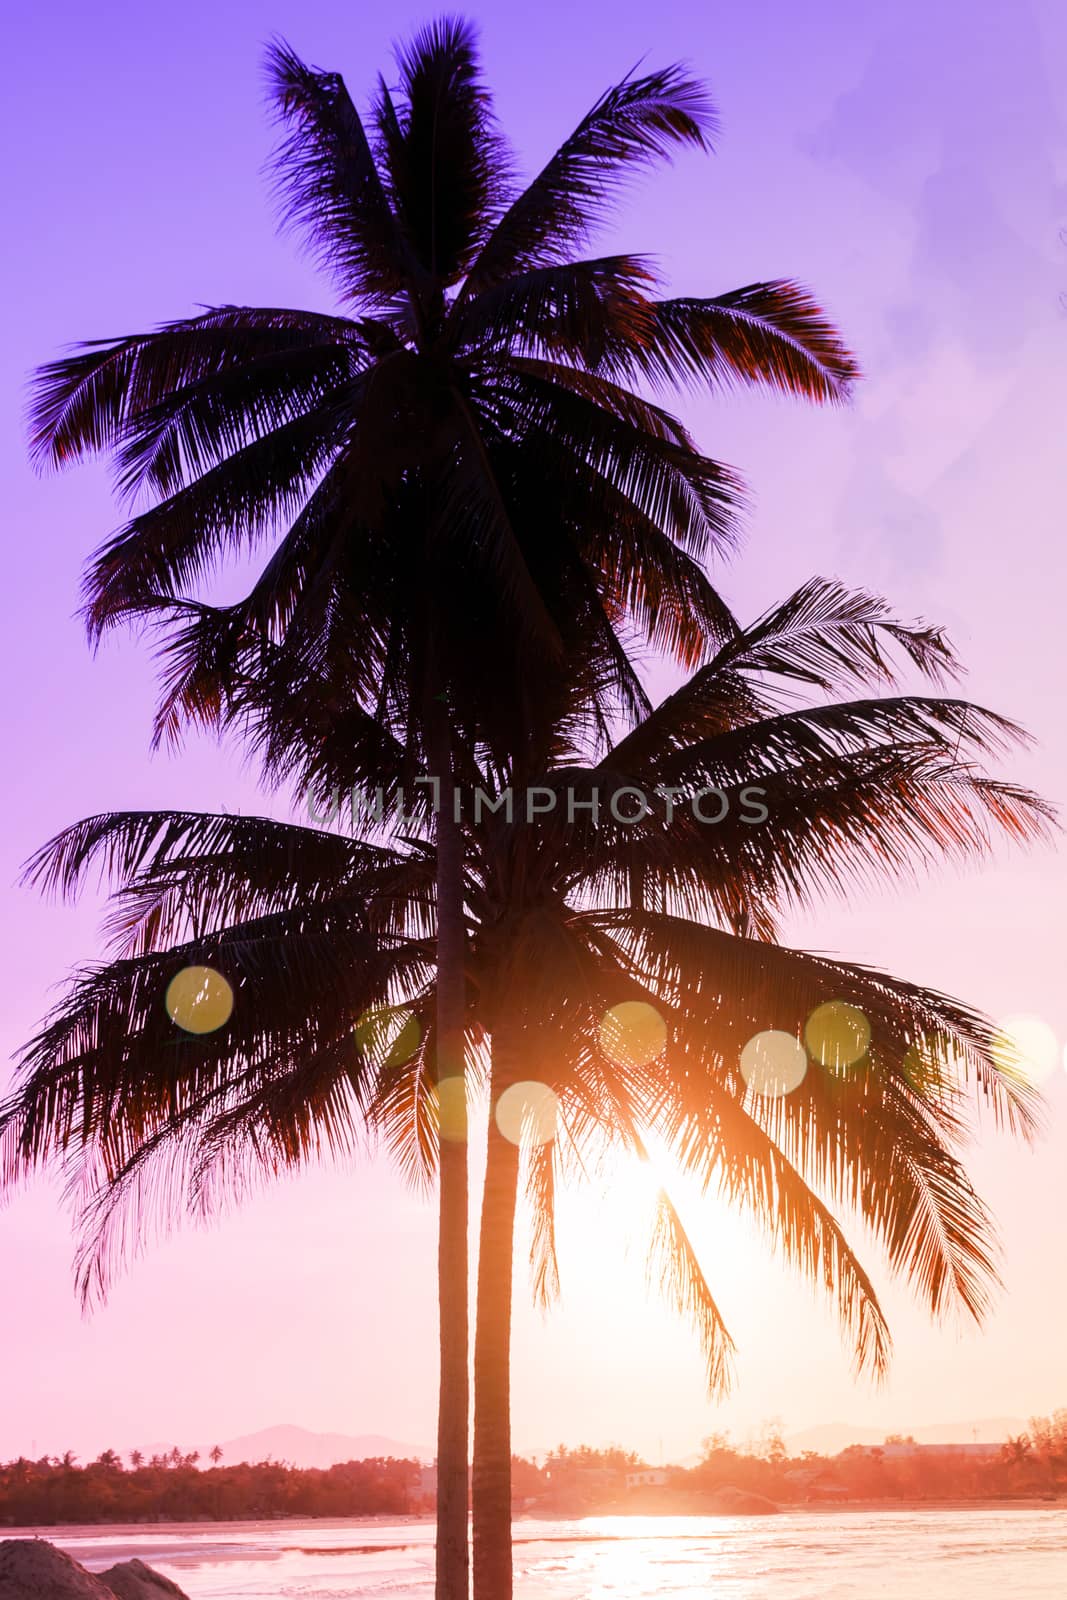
(821, 1487)
(646, 1478)
(909, 1449)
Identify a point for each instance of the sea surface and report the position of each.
(818, 1555)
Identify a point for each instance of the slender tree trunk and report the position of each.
(492, 1366)
(453, 1416)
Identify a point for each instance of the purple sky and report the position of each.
(910, 162)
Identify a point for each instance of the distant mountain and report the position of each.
(303, 1448)
(830, 1437)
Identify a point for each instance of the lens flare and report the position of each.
(1028, 1045)
(632, 1034)
(451, 1099)
(837, 1035)
(526, 1113)
(388, 1036)
(199, 999)
(773, 1063)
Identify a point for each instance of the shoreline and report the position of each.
(54, 1532)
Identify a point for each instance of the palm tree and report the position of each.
(215, 1454)
(465, 477)
(565, 920)
(136, 1460)
(1016, 1449)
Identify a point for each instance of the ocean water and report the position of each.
(818, 1555)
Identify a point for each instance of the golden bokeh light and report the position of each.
(773, 1063)
(1027, 1045)
(633, 1033)
(199, 999)
(526, 1113)
(450, 1096)
(837, 1035)
(388, 1036)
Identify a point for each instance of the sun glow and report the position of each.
(1028, 1045)
(630, 1189)
(607, 1224)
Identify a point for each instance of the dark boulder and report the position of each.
(33, 1569)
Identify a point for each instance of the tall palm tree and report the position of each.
(566, 918)
(457, 468)
(873, 786)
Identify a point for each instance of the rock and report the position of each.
(33, 1569)
(132, 1580)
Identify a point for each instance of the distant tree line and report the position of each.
(176, 1487)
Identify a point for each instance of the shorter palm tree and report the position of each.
(323, 940)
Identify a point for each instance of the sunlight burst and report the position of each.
(1026, 1044)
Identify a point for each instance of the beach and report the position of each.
(820, 1553)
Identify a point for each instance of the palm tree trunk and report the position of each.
(453, 1416)
(492, 1367)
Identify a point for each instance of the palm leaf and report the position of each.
(448, 168)
(328, 186)
(637, 122)
(773, 334)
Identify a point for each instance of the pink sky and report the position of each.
(911, 164)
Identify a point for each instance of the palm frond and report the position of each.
(541, 1191)
(827, 636)
(720, 1143)
(122, 844)
(729, 988)
(574, 310)
(235, 504)
(86, 403)
(329, 187)
(682, 1278)
(637, 122)
(773, 334)
(448, 167)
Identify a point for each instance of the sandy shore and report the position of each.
(135, 1530)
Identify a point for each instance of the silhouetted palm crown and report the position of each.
(460, 474)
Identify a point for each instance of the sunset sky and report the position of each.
(909, 162)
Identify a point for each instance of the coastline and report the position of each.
(55, 1532)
